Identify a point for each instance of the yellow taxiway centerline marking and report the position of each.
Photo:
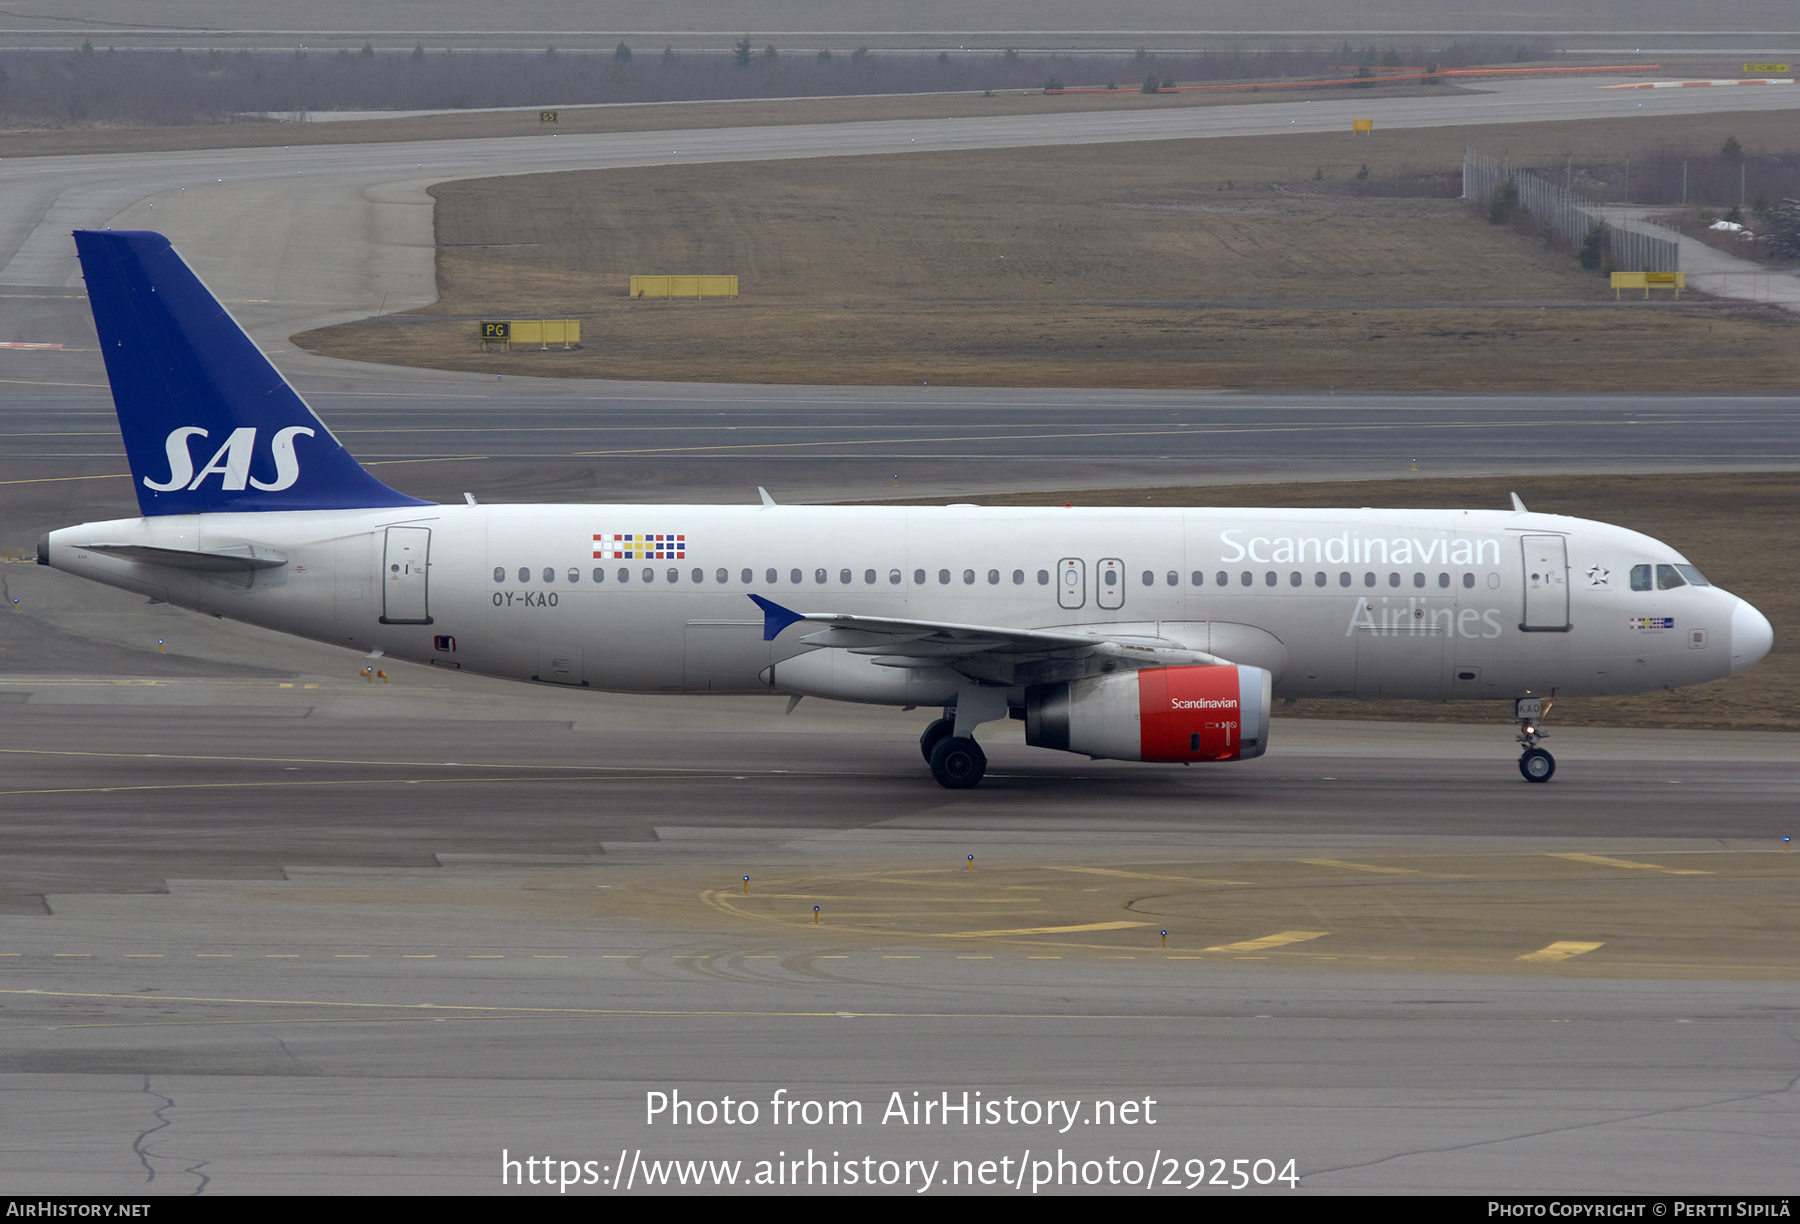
(1139, 875)
(1269, 941)
(1603, 861)
(1049, 930)
(1561, 950)
(1360, 866)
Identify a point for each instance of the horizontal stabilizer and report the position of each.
(233, 558)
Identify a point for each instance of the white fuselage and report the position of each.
(1433, 604)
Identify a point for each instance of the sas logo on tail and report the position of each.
(231, 462)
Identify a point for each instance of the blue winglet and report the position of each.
(775, 617)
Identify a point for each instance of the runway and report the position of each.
(545, 440)
(401, 942)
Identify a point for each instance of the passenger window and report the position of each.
(943, 577)
(574, 575)
(1319, 579)
(1369, 580)
(1640, 578)
(968, 577)
(1246, 578)
(1018, 577)
(1043, 577)
(918, 577)
(1443, 582)
(1393, 580)
(1667, 579)
(699, 575)
(499, 574)
(650, 574)
(794, 577)
(674, 575)
(1222, 577)
(819, 576)
(844, 577)
(1469, 581)
(1198, 578)
(1269, 579)
(745, 577)
(993, 577)
(524, 574)
(893, 577)
(770, 577)
(599, 574)
(1294, 578)
(869, 577)
(1149, 578)
(1418, 580)
(722, 577)
(549, 574)
(1174, 579)
(1344, 579)
(624, 574)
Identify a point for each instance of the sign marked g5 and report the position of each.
(231, 462)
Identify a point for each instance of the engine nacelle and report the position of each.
(1157, 714)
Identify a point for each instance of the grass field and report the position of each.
(1248, 262)
(1738, 528)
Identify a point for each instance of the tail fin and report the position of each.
(182, 369)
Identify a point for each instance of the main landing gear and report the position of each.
(957, 761)
(1535, 764)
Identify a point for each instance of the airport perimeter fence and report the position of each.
(1571, 216)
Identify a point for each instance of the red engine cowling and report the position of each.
(1158, 714)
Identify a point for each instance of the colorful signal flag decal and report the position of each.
(1653, 622)
(610, 546)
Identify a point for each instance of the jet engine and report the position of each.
(1218, 713)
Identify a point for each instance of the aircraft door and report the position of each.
(1546, 560)
(1071, 582)
(405, 569)
(1109, 583)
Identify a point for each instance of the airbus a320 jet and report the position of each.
(1136, 635)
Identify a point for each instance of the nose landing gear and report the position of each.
(1535, 764)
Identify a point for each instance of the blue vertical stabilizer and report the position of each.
(209, 423)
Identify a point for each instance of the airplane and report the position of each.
(1160, 635)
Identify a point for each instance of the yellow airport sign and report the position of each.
(1648, 281)
(684, 286)
(565, 333)
(547, 116)
(1766, 67)
(1362, 125)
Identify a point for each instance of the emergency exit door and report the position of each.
(1071, 582)
(405, 574)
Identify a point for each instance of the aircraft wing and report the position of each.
(990, 653)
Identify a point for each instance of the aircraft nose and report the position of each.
(1751, 636)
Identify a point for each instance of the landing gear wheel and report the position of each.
(934, 735)
(1537, 765)
(958, 762)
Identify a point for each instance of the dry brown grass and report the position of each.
(1216, 263)
(1737, 527)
